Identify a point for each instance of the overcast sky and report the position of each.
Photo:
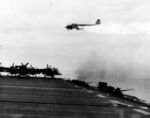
(33, 31)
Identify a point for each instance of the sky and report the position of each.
(34, 31)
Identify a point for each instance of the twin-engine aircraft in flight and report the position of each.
(80, 26)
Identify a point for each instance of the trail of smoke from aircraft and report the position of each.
(118, 28)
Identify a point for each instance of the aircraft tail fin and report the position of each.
(98, 22)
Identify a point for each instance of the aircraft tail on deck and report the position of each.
(98, 22)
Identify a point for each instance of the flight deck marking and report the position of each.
(142, 111)
(118, 102)
(88, 91)
(142, 107)
(101, 96)
(40, 88)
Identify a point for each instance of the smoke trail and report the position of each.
(119, 28)
(96, 69)
(93, 69)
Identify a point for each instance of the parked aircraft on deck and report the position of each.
(23, 70)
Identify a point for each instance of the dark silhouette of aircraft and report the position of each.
(24, 71)
(80, 26)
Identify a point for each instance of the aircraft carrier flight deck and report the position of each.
(57, 98)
